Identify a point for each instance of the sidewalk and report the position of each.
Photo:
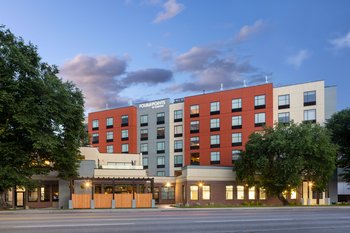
(158, 208)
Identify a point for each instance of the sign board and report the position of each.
(154, 104)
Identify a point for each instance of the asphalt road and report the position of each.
(320, 219)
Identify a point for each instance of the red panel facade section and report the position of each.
(117, 128)
(248, 112)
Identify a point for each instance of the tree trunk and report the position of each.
(317, 197)
(283, 200)
(3, 204)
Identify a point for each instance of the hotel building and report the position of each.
(197, 139)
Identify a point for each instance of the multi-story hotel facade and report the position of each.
(198, 138)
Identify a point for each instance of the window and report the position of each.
(309, 98)
(215, 157)
(315, 193)
(283, 117)
(310, 115)
(144, 134)
(54, 193)
(109, 122)
(143, 120)
(237, 122)
(109, 136)
(240, 192)
(145, 162)
(168, 193)
(95, 138)
(214, 124)
(237, 139)
(178, 159)
(214, 141)
(214, 108)
(177, 115)
(229, 192)
(95, 125)
(194, 111)
(33, 195)
(178, 131)
(194, 158)
(160, 162)
(293, 194)
(283, 101)
(160, 118)
(125, 120)
(125, 148)
(144, 148)
(160, 147)
(160, 132)
(110, 149)
(125, 135)
(206, 192)
(237, 105)
(160, 173)
(178, 146)
(194, 143)
(194, 192)
(251, 193)
(45, 193)
(259, 119)
(259, 101)
(194, 127)
(236, 154)
(262, 194)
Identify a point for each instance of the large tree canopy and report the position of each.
(339, 125)
(41, 117)
(280, 158)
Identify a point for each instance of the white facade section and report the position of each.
(174, 122)
(296, 107)
(343, 188)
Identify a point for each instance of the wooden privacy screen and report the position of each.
(81, 201)
(123, 200)
(103, 201)
(143, 200)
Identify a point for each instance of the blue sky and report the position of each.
(138, 50)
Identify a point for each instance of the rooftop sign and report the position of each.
(154, 104)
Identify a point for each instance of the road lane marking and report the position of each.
(245, 220)
(75, 225)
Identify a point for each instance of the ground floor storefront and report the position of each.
(110, 193)
(43, 194)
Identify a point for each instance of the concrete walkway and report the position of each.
(157, 209)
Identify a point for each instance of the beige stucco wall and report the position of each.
(297, 108)
(114, 173)
(203, 173)
(91, 153)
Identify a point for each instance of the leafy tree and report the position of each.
(280, 158)
(41, 117)
(339, 125)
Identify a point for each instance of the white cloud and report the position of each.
(171, 9)
(103, 78)
(249, 30)
(194, 59)
(298, 59)
(341, 42)
(208, 68)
